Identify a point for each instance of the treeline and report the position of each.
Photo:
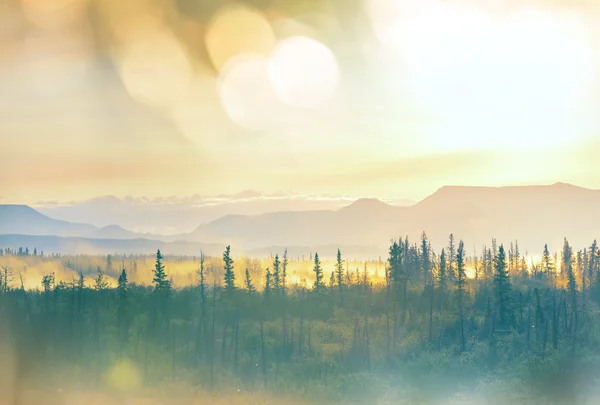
(445, 318)
(21, 252)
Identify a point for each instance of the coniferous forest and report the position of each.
(488, 327)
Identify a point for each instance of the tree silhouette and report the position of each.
(318, 285)
(229, 277)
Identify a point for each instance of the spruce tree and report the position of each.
(229, 277)
(318, 285)
(122, 284)
(592, 262)
(248, 283)
(284, 265)
(442, 276)
(100, 282)
(502, 287)
(201, 280)
(451, 257)
(122, 290)
(160, 280)
(268, 283)
(339, 274)
(276, 274)
(425, 258)
(547, 265)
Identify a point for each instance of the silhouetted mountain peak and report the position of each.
(112, 228)
(367, 204)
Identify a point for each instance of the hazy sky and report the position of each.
(385, 98)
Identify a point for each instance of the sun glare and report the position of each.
(486, 79)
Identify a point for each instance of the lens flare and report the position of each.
(526, 71)
(246, 94)
(155, 69)
(52, 14)
(237, 29)
(124, 376)
(303, 72)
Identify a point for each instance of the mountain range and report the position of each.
(533, 215)
(178, 215)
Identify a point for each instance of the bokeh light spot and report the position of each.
(155, 69)
(236, 29)
(124, 376)
(303, 72)
(245, 92)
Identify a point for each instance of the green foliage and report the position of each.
(229, 277)
(393, 340)
(502, 288)
(318, 285)
(161, 283)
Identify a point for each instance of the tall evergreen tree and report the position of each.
(276, 274)
(160, 280)
(318, 285)
(461, 281)
(566, 265)
(248, 283)
(284, 265)
(100, 282)
(268, 283)
(339, 274)
(502, 288)
(425, 258)
(122, 321)
(229, 277)
(122, 284)
(451, 259)
(547, 265)
(202, 280)
(332, 282)
(442, 276)
(592, 263)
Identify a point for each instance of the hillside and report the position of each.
(22, 219)
(532, 214)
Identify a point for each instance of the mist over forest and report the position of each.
(419, 326)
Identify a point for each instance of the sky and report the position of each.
(373, 98)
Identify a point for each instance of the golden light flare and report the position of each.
(288, 27)
(245, 92)
(235, 29)
(155, 69)
(303, 72)
(51, 14)
(124, 376)
(124, 20)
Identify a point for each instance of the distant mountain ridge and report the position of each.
(171, 215)
(25, 220)
(533, 215)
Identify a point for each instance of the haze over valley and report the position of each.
(531, 215)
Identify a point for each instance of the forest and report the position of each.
(416, 327)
